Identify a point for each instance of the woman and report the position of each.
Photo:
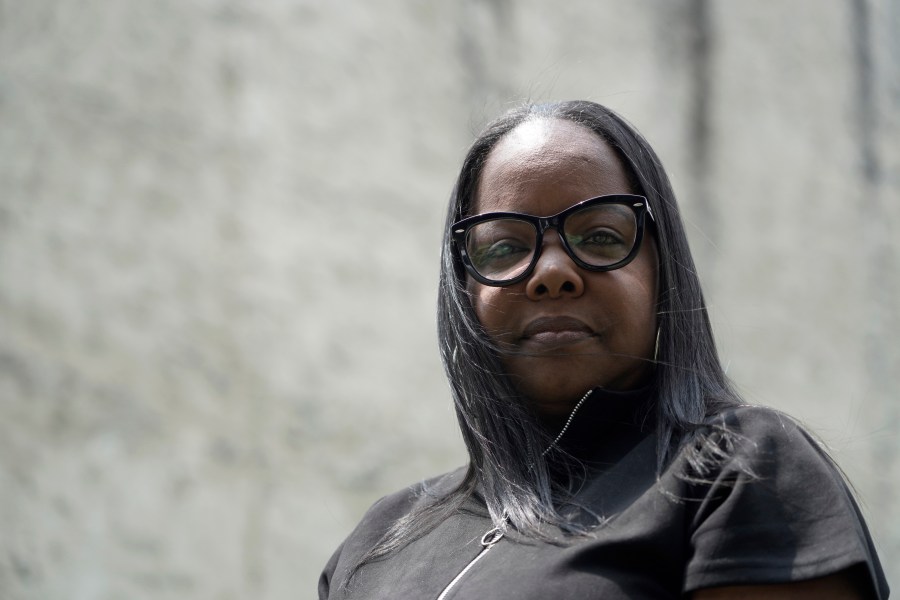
(609, 456)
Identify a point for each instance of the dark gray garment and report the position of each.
(776, 511)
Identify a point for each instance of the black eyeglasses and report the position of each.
(600, 234)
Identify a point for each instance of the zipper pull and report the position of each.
(491, 537)
(488, 541)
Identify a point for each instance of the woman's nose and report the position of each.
(555, 275)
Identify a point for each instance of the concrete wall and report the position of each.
(219, 227)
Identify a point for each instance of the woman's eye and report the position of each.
(497, 252)
(597, 238)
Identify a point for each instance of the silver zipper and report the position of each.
(488, 540)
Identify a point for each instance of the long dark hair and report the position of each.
(505, 440)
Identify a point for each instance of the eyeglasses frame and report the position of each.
(639, 204)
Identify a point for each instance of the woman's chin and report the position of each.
(555, 384)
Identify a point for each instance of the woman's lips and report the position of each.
(556, 331)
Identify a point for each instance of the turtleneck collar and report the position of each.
(608, 424)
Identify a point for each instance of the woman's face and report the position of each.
(568, 329)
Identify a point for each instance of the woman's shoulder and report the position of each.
(754, 417)
(378, 520)
(759, 442)
(760, 429)
(385, 511)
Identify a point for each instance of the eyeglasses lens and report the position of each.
(600, 235)
(500, 249)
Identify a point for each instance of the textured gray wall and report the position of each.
(219, 228)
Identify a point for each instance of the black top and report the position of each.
(776, 511)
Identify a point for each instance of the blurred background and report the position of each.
(219, 238)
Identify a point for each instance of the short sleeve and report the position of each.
(778, 511)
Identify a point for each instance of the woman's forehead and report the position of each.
(549, 140)
(552, 159)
